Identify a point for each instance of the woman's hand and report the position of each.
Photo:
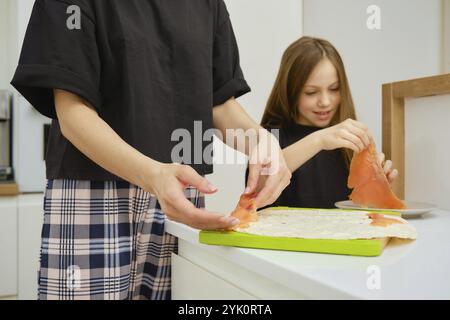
(349, 134)
(168, 182)
(268, 171)
(391, 174)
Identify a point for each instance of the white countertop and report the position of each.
(414, 270)
(28, 199)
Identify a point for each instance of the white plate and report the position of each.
(415, 209)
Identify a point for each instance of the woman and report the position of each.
(117, 83)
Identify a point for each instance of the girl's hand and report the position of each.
(391, 174)
(168, 182)
(349, 134)
(268, 171)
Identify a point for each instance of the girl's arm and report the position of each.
(347, 134)
(82, 126)
(301, 151)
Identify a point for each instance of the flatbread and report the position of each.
(326, 224)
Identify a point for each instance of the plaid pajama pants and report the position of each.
(105, 240)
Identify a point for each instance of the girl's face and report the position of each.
(320, 97)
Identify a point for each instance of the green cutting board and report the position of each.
(359, 247)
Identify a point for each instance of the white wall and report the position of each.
(446, 35)
(3, 50)
(427, 142)
(264, 29)
(14, 16)
(407, 46)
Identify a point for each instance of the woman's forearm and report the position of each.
(301, 151)
(232, 116)
(81, 125)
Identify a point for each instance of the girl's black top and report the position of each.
(318, 183)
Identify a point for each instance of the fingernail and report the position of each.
(211, 187)
(233, 222)
(247, 190)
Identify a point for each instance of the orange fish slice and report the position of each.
(245, 211)
(369, 183)
(380, 220)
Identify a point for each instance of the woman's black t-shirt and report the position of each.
(319, 182)
(148, 68)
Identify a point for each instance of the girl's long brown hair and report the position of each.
(297, 63)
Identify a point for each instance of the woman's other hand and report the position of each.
(269, 174)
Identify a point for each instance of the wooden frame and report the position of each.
(394, 95)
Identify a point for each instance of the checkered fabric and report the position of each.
(105, 240)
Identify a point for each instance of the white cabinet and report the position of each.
(190, 282)
(8, 246)
(199, 274)
(30, 217)
(20, 238)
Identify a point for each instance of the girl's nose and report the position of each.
(324, 100)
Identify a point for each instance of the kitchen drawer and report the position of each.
(261, 286)
(8, 248)
(191, 282)
(30, 217)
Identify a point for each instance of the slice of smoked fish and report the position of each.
(245, 211)
(369, 183)
(380, 220)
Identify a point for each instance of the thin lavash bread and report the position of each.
(329, 224)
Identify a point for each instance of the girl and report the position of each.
(312, 107)
(117, 84)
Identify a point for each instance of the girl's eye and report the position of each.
(334, 89)
(309, 93)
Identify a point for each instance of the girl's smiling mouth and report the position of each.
(323, 115)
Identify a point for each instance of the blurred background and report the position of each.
(412, 40)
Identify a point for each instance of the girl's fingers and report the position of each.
(362, 134)
(346, 135)
(360, 125)
(380, 158)
(365, 133)
(392, 175)
(387, 166)
(349, 145)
